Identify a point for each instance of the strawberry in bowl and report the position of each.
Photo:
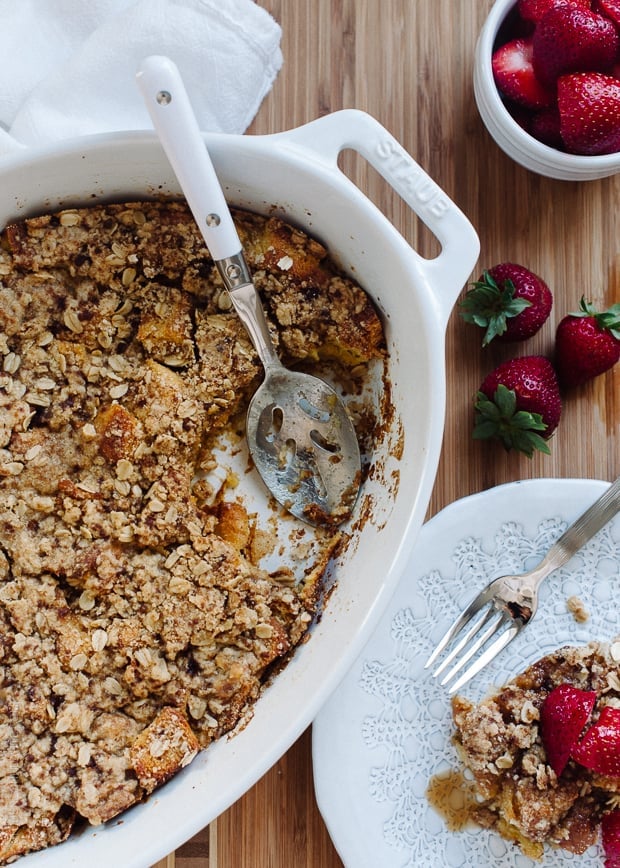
(569, 62)
(547, 84)
(589, 112)
(571, 37)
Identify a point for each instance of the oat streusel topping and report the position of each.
(500, 743)
(134, 627)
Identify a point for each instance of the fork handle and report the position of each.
(581, 531)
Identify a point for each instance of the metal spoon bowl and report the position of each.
(299, 433)
(306, 452)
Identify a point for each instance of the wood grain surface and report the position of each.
(409, 63)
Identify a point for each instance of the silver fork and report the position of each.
(508, 603)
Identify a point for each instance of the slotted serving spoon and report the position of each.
(299, 433)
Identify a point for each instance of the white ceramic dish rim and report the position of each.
(342, 756)
(313, 192)
(511, 137)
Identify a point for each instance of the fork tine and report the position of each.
(458, 624)
(476, 626)
(487, 655)
(475, 646)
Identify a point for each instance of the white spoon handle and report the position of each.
(177, 128)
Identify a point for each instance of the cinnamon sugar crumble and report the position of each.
(577, 609)
(135, 627)
(499, 741)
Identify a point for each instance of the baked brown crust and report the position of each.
(134, 626)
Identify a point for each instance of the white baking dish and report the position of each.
(294, 174)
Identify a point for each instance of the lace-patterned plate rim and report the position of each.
(386, 731)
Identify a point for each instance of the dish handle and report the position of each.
(327, 136)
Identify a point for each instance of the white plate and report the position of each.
(386, 730)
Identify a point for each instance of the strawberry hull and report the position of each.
(509, 301)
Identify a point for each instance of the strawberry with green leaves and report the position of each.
(519, 404)
(509, 301)
(587, 343)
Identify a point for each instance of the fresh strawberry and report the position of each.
(589, 105)
(570, 38)
(610, 834)
(599, 749)
(609, 8)
(545, 126)
(587, 343)
(509, 301)
(533, 10)
(520, 114)
(563, 715)
(514, 74)
(513, 26)
(519, 404)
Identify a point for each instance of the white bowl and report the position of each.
(295, 175)
(511, 137)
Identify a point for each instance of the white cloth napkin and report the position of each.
(67, 67)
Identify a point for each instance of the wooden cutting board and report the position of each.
(409, 63)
